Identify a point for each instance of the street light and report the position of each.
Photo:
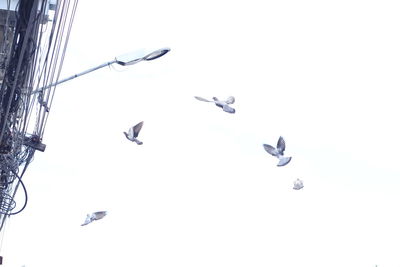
(123, 60)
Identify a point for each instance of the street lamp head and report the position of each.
(135, 57)
(156, 54)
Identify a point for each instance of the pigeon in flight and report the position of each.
(298, 184)
(134, 132)
(220, 103)
(94, 217)
(278, 152)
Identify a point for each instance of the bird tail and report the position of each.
(283, 161)
(298, 187)
(138, 142)
(228, 109)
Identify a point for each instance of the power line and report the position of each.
(35, 60)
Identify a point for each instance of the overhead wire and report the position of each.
(37, 78)
(6, 27)
(63, 53)
(35, 60)
(17, 70)
(53, 64)
(52, 60)
(42, 69)
(29, 104)
(20, 182)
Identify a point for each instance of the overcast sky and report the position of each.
(201, 190)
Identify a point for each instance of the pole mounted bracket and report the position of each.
(34, 142)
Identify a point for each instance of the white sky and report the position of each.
(202, 191)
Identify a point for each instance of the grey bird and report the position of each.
(94, 217)
(221, 103)
(298, 184)
(133, 133)
(278, 152)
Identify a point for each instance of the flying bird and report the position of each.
(278, 152)
(221, 103)
(298, 184)
(133, 133)
(94, 217)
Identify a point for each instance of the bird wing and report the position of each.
(99, 215)
(127, 135)
(270, 149)
(136, 129)
(87, 220)
(230, 100)
(228, 109)
(130, 134)
(298, 186)
(281, 146)
(284, 161)
(202, 99)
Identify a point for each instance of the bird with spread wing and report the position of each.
(94, 217)
(224, 104)
(133, 133)
(278, 152)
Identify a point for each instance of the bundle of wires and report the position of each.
(35, 60)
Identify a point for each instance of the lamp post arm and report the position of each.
(84, 72)
(77, 75)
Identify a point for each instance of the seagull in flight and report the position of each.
(298, 184)
(224, 104)
(94, 217)
(278, 152)
(133, 133)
